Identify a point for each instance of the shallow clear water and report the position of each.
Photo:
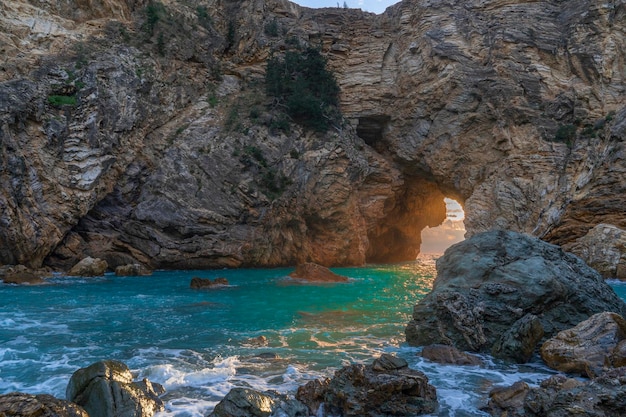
(199, 343)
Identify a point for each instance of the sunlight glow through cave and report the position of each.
(435, 240)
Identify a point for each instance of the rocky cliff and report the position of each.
(139, 131)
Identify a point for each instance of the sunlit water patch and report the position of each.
(262, 331)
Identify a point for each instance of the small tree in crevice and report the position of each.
(304, 88)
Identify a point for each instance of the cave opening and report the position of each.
(435, 240)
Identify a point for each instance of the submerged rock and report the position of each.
(201, 283)
(387, 387)
(17, 404)
(589, 348)
(89, 267)
(106, 389)
(312, 272)
(498, 291)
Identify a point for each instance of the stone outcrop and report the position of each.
(19, 274)
(311, 272)
(17, 404)
(387, 387)
(502, 292)
(590, 348)
(89, 267)
(125, 137)
(132, 270)
(198, 283)
(603, 248)
(563, 396)
(106, 389)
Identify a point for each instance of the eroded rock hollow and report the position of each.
(139, 132)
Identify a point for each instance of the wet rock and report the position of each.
(106, 389)
(132, 270)
(89, 267)
(248, 402)
(508, 401)
(497, 291)
(312, 272)
(203, 283)
(445, 354)
(17, 404)
(20, 274)
(589, 348)
(561, 396)
(387, 387)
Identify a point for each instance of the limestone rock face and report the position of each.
(387, 387)
(138, 140)
(590, 348)
(106, 389)
(501, 291)
(603, 249)
(17, 404)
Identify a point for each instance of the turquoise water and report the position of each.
(201, 343)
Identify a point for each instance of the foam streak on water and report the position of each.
(200, 344)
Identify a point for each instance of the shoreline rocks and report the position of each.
(590, 348)
(386, 387)
(132, 270)
(502, 292)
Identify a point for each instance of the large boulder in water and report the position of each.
(89, 267)
(386, 388)
(502, 292)
(106, 389)
(590, 348)
(17, 404)
(312, 272)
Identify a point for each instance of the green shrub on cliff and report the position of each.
(302, 85)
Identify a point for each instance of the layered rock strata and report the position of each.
(138, 132)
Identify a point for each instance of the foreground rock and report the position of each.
(106, 389)
(18, 404)
(589, 348)
(562, 396)
(387, 387)
(202, 283)
(250, 403)
(502, 292)
(132, 270)
(312, 272)
(445, 354)
(89, 267)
